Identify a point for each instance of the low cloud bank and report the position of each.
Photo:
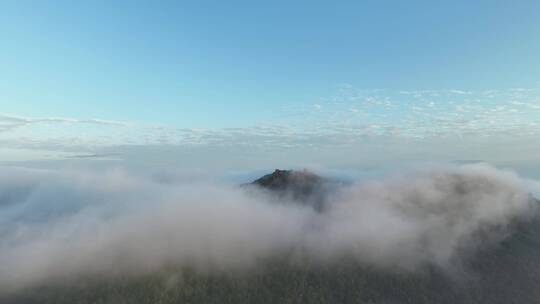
(63, 224)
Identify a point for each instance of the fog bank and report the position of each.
(60, 224)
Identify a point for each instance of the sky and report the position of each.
(244, 85)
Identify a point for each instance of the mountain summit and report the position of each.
(301, 183)
(300, 186)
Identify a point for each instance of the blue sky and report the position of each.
(95, 77)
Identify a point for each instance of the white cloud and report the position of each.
(113, 222)
(10, 122)
(460, 92)
(340, 120)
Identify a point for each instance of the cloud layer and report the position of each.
(64, 224)
(350, 118)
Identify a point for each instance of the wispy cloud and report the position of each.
(10, 122)
(347, 119)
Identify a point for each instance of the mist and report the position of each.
(62, 224)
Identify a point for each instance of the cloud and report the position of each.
(95, 155)
(343, 120)
(460, 92)
(10, 122)
(57, 225)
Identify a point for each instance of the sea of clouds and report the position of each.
(60, 224)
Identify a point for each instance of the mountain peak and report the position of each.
(289, 179)
(302, 186)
